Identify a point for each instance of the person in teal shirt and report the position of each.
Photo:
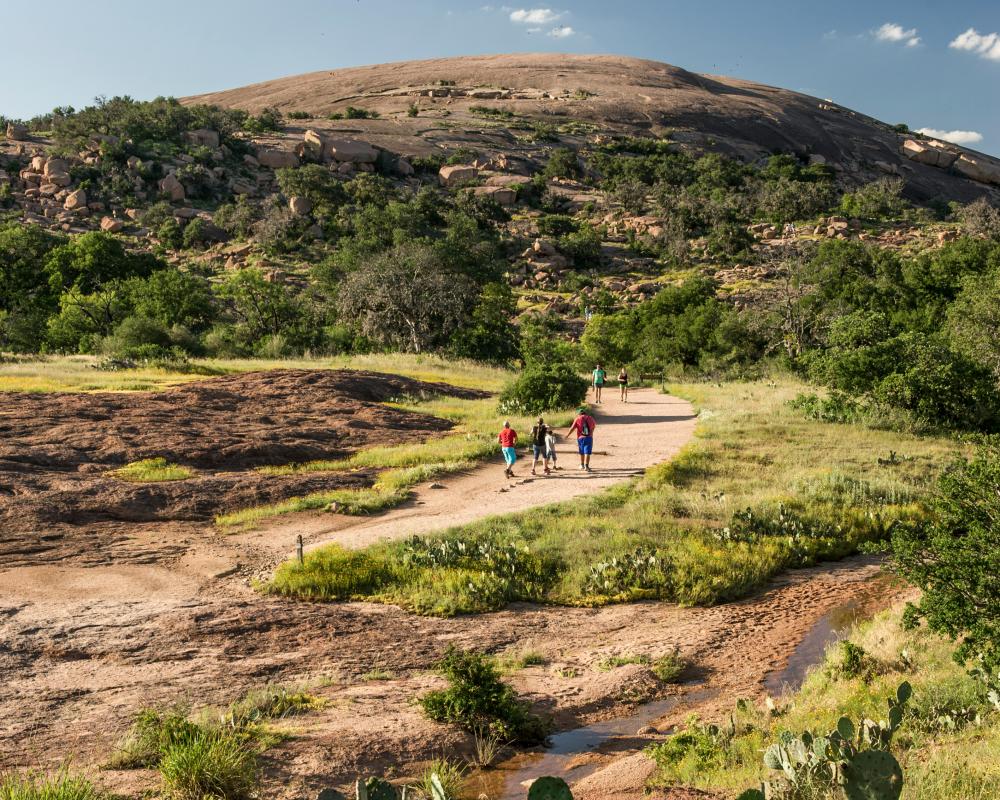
(599, 377)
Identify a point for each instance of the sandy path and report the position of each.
(630, 437)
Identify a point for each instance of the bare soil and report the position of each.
(58, 451)
(122, 614)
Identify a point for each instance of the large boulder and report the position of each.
(978, 169)
(501, 194)
(454, 174)
(112, 225)
(300, 206)
(16, 132)
(76, 201)
(277, 159)
(313, 145)
(508, 180)
(930, 152)
(203, 137)
(172, 188)
(350, 151)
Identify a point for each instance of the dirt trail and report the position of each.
(629, 437)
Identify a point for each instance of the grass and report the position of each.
(682, 532)
(215, 754)
(152, 470)
(521, 659)
(78, 373)
(948, 745)
(450, 777)
(60, 785)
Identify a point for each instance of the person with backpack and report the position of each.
(538, 446)
(508, 441)
(623, 383)
(599, 377)
(583, 426)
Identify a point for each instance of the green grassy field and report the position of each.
(79, 373)
(682, 533)
(948, 745)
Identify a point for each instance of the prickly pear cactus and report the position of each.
(329, 794)
(549, 788)
(752, 794)
(873, 775)
(376, 789)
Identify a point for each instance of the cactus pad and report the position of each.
(549, 788)
(873, 775)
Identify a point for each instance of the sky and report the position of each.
(931, 65)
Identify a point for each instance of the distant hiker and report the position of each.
(599, 377)
(623, 383)
(550, 448)
(508, 441)
(584, 425)
(587, 314)
(538, 445)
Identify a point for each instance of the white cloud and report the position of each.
(986, 45)
(955, 137)
(536, 16)
(561, 32)
(891, 32)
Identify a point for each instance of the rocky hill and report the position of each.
(581, 95)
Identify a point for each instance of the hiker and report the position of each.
(550, 449)
(508, 441)
(538, 446)
(584, 425)
(623, 383)
(599, 377)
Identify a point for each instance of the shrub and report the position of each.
(955, 561)
(582, 247)
(880, 200)
(981, 218)
(477, 699)
(543, 387)
(563, 163)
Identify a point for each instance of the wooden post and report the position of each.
(301, 550)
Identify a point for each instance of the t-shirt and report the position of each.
(584, 425)
(538, 435)
(599, 376)
(550, 442)
(508, 437)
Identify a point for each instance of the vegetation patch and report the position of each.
(152, 470)
(61, 785)
(944, 735)
(478, 700)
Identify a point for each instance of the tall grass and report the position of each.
(60, 785)
(817, 491)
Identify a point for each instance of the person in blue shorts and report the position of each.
(508, 442)
(583, 426)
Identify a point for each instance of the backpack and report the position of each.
(584, 427)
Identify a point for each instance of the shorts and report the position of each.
(585, 444)
(538, 451)
(509, 455)
(551, 454)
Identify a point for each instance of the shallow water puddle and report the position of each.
(833, 626)
(572, 754)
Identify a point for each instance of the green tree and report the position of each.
(490, 335)
(261, 308)
(173, 298)
(955, 561)
(974, 320)
(405, 298)
(26, 298)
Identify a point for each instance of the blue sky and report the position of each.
(931, 65)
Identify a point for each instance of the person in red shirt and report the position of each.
(583, 426)
(508, 441)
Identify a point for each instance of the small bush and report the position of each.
(478, 700)
(152, 734)
(152, 470)
(543, 388)
(669, 667)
